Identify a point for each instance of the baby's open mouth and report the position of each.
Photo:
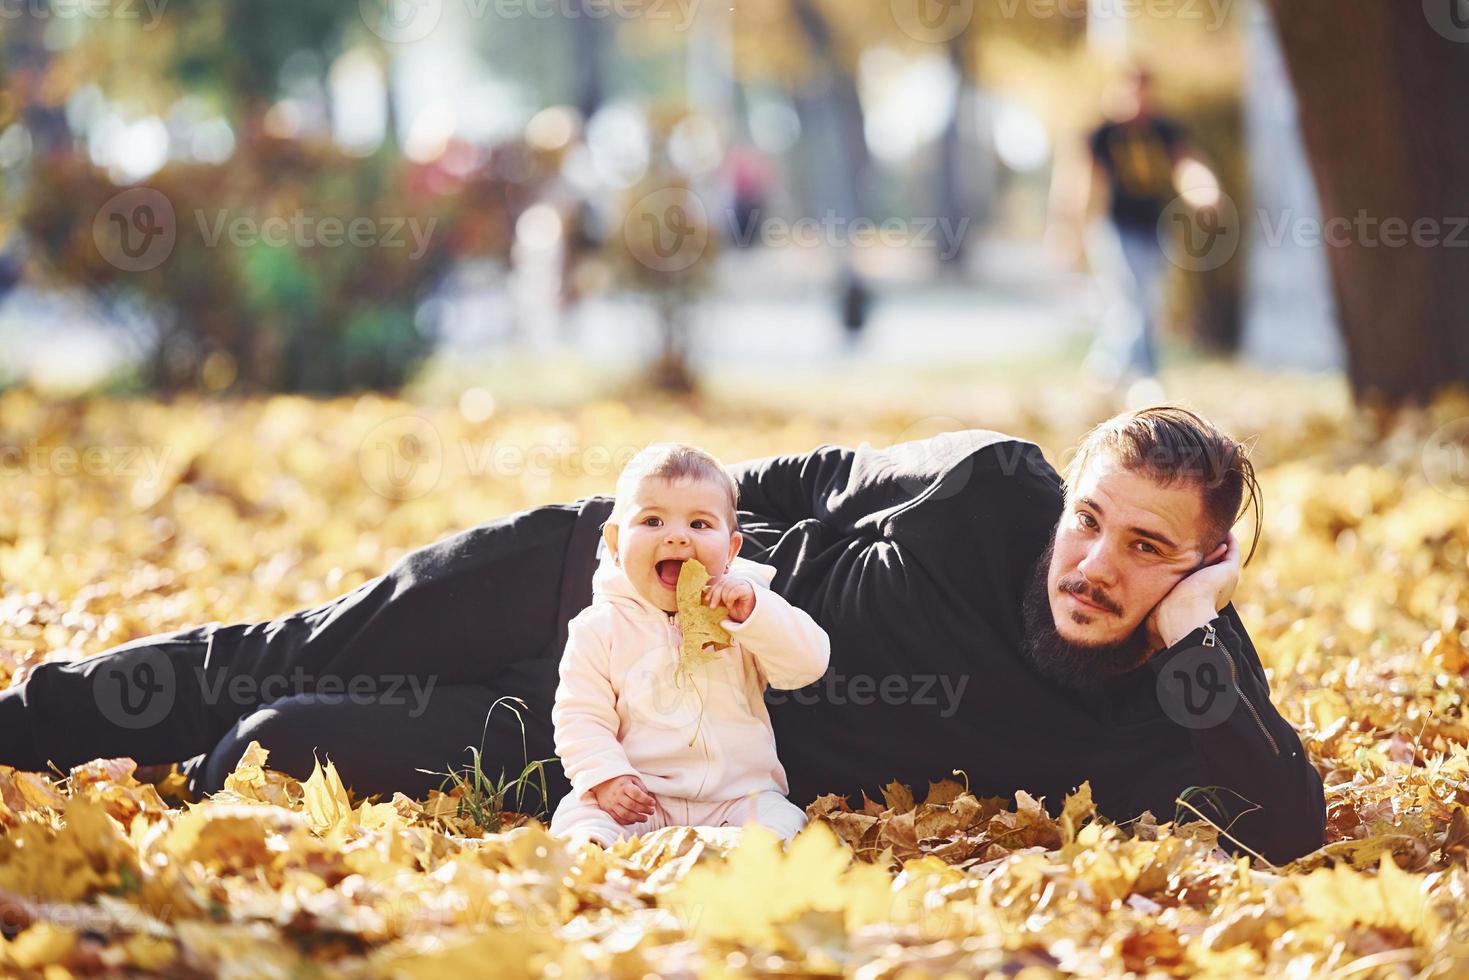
(668, 570)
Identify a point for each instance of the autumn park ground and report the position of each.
(192, 511)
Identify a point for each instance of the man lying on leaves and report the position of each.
(982, 616)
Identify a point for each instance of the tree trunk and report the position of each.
(954, 164)
(591, 40)
(27, 58)
(844, 176)
(849, 180)
(1385, 122)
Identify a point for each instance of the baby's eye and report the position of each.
(700, 522)
(652, 521)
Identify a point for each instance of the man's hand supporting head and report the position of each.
(1196, 599)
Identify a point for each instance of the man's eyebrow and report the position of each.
(1141, 532)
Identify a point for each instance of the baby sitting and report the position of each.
(649, 736)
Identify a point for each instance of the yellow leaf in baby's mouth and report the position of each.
(699, 624)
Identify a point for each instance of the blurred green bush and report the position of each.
(297, 304)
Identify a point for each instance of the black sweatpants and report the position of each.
(398, 675)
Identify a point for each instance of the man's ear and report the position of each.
(609, 534)
(735, 541)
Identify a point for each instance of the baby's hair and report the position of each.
(675, 461)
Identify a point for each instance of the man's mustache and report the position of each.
(1080, 587)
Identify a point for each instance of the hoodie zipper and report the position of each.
(676, 638)
(1211, 639)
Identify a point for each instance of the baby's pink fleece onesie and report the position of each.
(702, 743)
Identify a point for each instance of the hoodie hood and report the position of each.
(610, 581)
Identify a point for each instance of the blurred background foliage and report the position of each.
(262, 108)
(528, 133)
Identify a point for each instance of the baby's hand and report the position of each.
(735, 594)
(625, 798)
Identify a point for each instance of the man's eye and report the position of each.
(1085, 520)
(1144, 546)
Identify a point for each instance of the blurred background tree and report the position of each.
(1386, 124)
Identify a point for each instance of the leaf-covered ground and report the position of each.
(125, 518)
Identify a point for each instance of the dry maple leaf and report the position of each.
(699, 624)
(1077, 809)
(325, 798)
(253, 782)
(898, 797)
(758, 887)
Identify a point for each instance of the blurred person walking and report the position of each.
(1137, 162)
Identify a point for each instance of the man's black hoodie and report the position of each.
(915, 559)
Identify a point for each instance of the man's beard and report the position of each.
(1079, 666)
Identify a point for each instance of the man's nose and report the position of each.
(1097, 565)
